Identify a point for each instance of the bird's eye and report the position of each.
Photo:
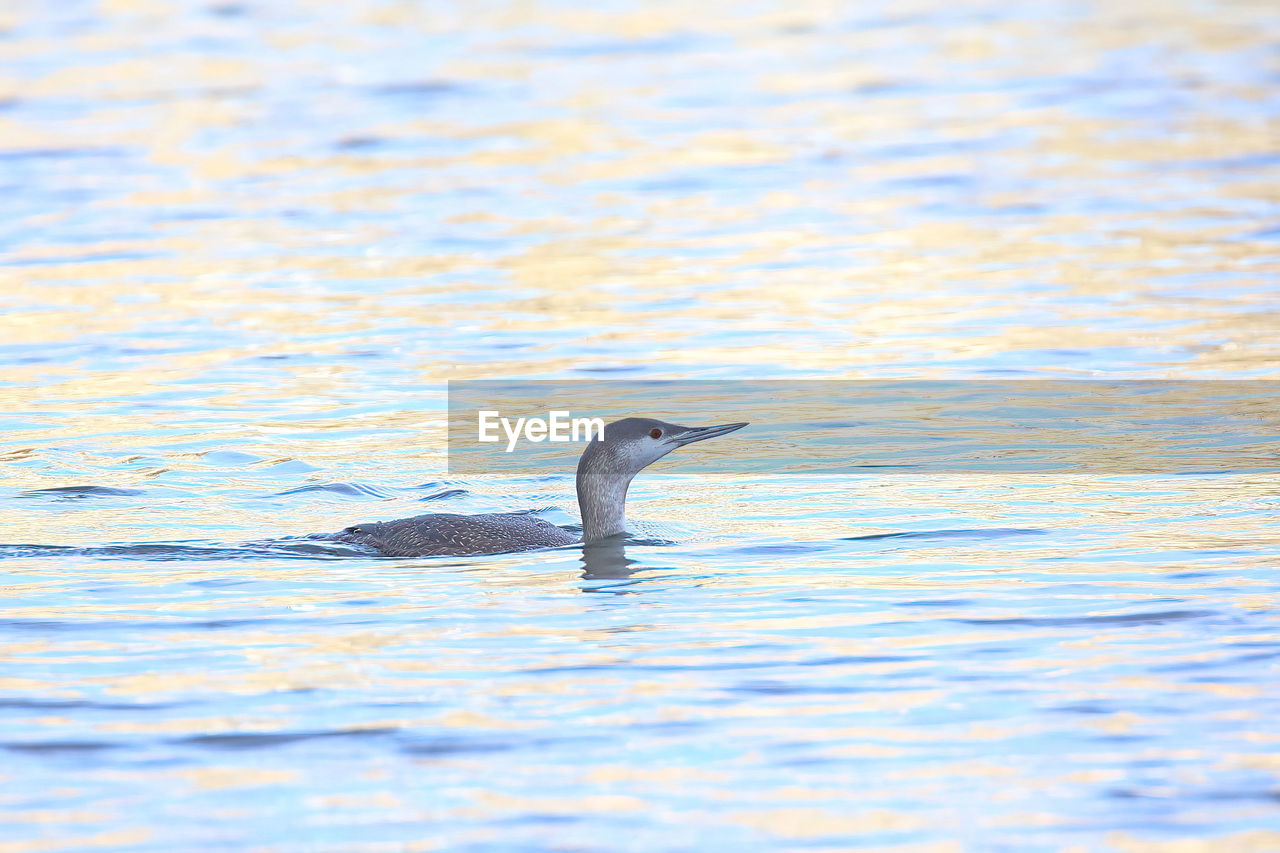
(655, 433)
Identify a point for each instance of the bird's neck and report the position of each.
(602, 500)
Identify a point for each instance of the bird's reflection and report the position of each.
(606, 560)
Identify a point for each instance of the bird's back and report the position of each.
(442, 534)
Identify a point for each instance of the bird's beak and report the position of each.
(692, 434)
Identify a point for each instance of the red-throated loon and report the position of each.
(605, 471)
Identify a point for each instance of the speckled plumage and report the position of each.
(604, 472)
(440, 533)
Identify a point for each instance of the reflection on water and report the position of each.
(246, 244)
(606, 560)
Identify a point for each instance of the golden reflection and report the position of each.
(221, 778)
(591, 803)
(108, 839)
(1246, 841)
(799, 822)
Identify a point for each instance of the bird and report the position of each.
(605, 470)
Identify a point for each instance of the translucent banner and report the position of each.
(531, 428)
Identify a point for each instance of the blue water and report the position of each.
(246, 245)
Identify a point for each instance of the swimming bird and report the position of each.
(605, 470)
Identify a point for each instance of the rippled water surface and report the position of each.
(244, 245)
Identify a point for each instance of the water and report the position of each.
(244, 246)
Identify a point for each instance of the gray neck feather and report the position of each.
(603, 479)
